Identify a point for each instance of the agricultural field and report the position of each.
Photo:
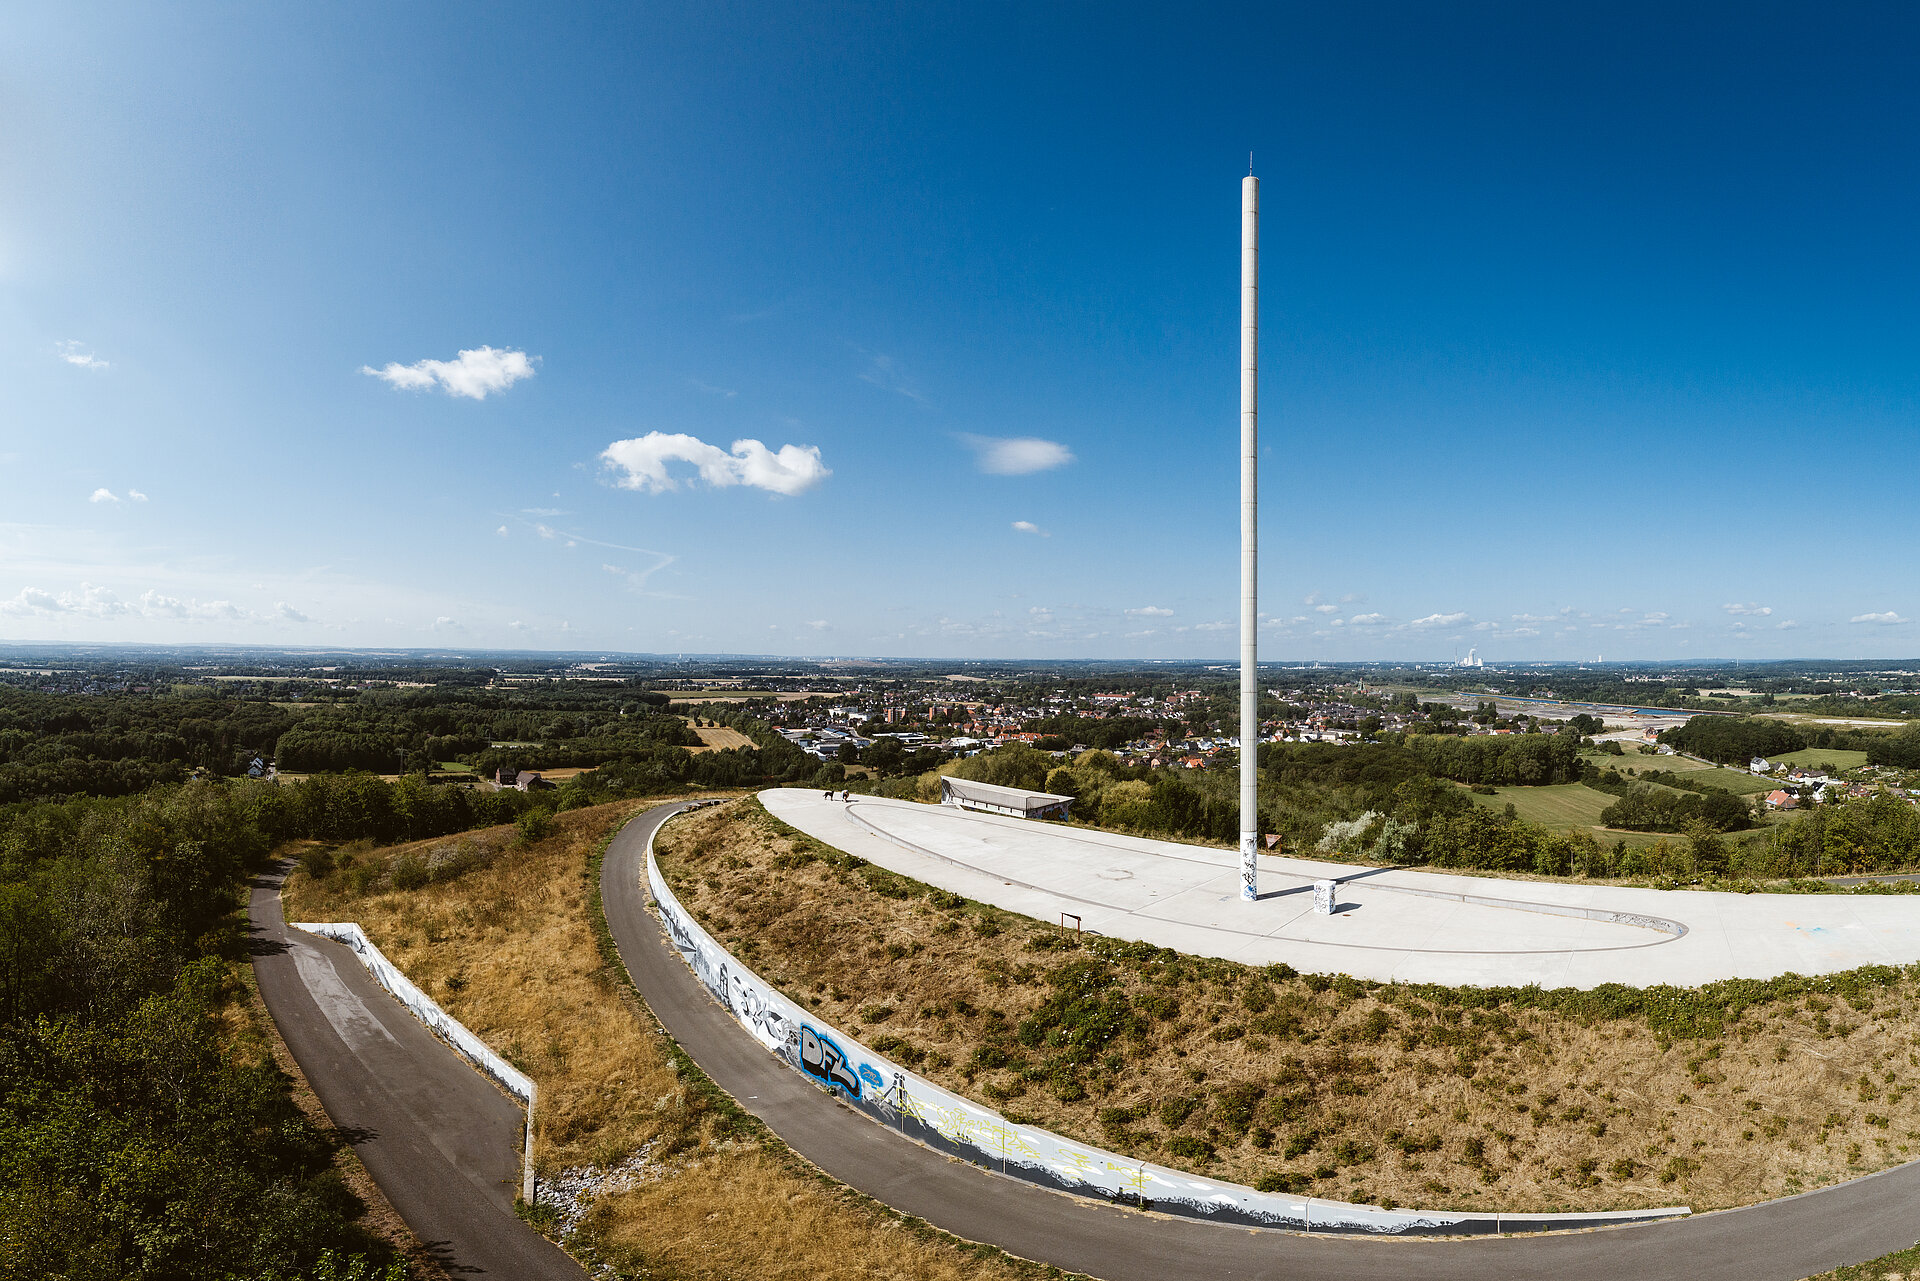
(1419, 1096)
(714, 738)
(1817, 757)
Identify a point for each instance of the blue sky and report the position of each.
(1585, 330)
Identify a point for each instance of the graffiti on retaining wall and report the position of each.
(959, 1127)
(822, 1059)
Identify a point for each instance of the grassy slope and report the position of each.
(1567, 1112)
(1901, 1265)
(509, 949)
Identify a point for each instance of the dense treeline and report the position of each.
(118, 744)
(1734, 740)
(1103, 732)
(385, 740)
(1656, 809)
(1382, 802)
(1504, 760)
(136, 1139)
(1901, 750)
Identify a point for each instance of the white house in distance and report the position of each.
(962, 793)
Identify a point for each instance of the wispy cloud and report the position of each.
(1885, 619)
(1757, 611)
(1016, 455)
(1367, 620)
(75, 352)
(642, 464)
(103, 496)
(1150, 611)
(474, 374)
(94, 602)
(1028, 527)
(1439, 620)
(884, 371)
(725, 392)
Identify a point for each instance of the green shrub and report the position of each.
(1190, 1148)
(535, 825)
(409, 872)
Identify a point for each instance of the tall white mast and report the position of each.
(1249, 536)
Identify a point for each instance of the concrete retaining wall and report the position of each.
(439, 1022)
(921, 1110)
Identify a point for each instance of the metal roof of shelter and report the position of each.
(994, 794)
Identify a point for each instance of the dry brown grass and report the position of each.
(716, 738)
(508, 948)
(1531, 1109)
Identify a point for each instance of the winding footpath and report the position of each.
(1781, 1240)
(441, 1140)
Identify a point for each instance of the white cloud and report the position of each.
(1016, 455)
(1218, 626)
(1150, 611)
(104, 496)
(136, 496)
(1326, 609)
(546, 531)
(1887, 619)
(1028, 527)
(1367, 620)
(1760, 611)
(445, 624)
(289, 613)
(817, 624)
(502, 531)
(102, 602)
(473, 374)
(793, 469)
(1439, 620)
(75, 352)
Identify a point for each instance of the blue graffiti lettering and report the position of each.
(822, 1058)
(871, 1077)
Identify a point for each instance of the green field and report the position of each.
(1569, 807)
(1560, 805)
(1809, 757)
(1739, 782)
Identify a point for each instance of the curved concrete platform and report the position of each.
(1391, 924)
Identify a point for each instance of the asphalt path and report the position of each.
(441, 1140)
(1777, 1241)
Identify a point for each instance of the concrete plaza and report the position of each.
(1390, 924)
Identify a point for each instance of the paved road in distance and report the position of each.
(1779, 1241)
(441, 1140)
